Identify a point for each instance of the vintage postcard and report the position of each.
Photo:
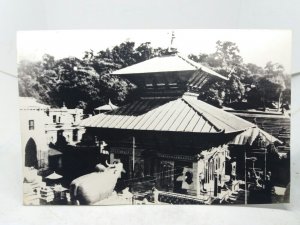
(111, 117)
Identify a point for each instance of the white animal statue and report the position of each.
(96, 186)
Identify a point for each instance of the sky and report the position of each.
(256, 46)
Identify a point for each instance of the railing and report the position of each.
(174, 198)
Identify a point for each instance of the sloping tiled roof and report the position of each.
(249, 135)
(170, 63)
(186, 114)
(222, 119)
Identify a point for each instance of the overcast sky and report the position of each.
(256, 46)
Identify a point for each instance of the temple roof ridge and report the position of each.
(167, 63)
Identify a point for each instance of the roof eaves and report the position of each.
(191, 62)
(199, 66)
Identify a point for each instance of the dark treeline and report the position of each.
(87, 83)
(249, 86)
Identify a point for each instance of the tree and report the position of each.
(76, 82)
(28, 73)
(213, 92)
(274, 69)
(85, 83)
(37, 79)
(144, 52)
(212, 96)
(254, 69)
(228, 53)
(274, 78)
(201, 58)
(120, 56)
(254, 99)
(226, 61)
(269, 91)
(248, 83)
(48, 62)
(234, 90)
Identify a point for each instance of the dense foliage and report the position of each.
(88, 82)
(249, 86)
(85, 83)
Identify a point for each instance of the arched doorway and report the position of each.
(31, 154)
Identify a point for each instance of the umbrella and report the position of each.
(59, 188)
(54, 176)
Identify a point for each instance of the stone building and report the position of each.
(42, 126)
(33, 133)
(63, 122)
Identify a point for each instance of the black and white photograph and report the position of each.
(155, 117)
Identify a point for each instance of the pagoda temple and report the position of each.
(169, 137)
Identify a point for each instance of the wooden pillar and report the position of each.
(133, 153)
(196, 181)
(215, 184)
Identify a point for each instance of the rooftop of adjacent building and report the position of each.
(30, 103)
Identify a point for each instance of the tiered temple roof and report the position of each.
(169, 75)
(165, 64)
(186, 114)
